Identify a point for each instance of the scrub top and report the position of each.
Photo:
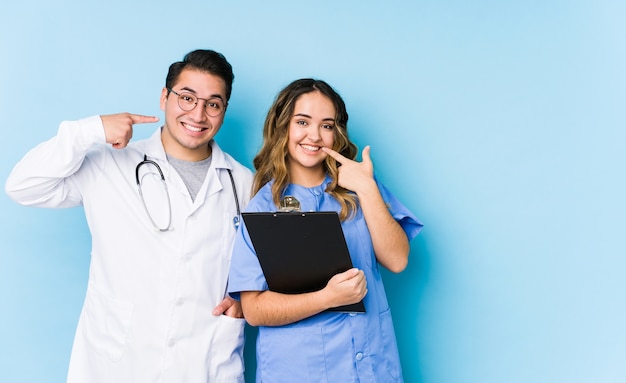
(330, 346)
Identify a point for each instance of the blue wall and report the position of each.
(501, 124)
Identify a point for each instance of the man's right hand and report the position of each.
(118, 128)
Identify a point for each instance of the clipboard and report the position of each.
(300, 251)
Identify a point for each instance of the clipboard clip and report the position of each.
(288, 204)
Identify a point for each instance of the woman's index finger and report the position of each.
(334, 154)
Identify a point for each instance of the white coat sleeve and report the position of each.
(43, 177)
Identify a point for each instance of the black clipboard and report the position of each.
(300, 251)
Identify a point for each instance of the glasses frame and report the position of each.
(206, 102)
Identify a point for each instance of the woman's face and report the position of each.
(312, 127)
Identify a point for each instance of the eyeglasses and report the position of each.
(213, 106)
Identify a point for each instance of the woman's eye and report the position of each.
(301, 122)
(328, 126)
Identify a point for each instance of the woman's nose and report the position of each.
(314, 134)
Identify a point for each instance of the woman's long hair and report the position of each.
(271, 161)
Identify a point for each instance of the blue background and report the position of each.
(499, 123)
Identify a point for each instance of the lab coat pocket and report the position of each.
(106, 323)
(226, 358)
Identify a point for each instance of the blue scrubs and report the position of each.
(330, 346)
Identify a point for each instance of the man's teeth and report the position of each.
(193, 128)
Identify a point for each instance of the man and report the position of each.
(162, 213)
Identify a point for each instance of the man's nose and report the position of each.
(199, 112)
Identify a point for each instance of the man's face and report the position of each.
(186, 134)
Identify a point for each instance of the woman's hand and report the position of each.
(346, 288)
(353, 175)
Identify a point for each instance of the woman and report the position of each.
(307, 154)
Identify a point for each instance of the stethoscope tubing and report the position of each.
(146, 161)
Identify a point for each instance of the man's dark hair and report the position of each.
(205, 60)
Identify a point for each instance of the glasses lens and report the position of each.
(214, 107)
(187, 101)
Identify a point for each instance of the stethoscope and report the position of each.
(168, 227)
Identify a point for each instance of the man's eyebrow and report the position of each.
(187, 89)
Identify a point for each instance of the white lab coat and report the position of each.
(147, 315)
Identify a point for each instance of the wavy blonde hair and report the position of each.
(271, 161)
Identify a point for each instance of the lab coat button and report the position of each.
(171, 343)
(359, 355)
(179, 302)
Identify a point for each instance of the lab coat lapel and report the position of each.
(214, 181)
